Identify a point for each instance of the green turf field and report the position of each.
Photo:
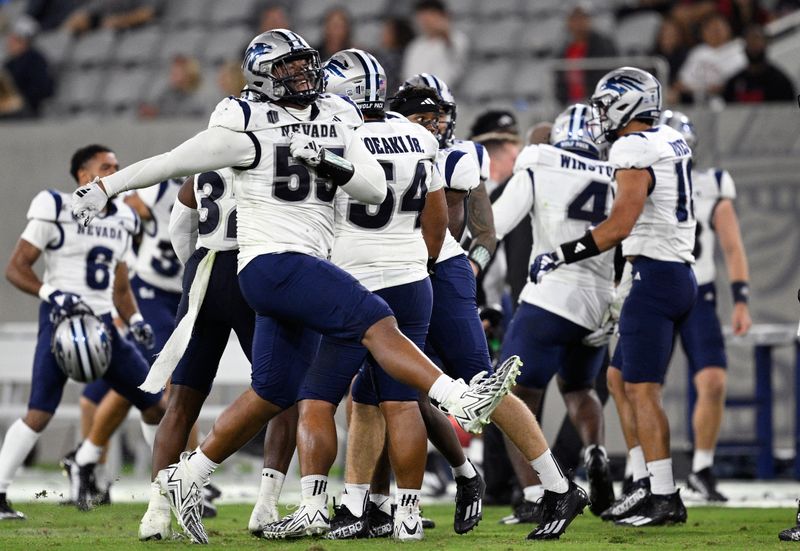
(64, 528)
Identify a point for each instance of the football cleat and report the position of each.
(7, 512)
(469, 498)
(156, 522)
(210, 493)
(185, 493)
(345, 525)
(472, 408)
(427, 523)
(601, 488)
(265, 512)
(558, 511)
(408, 524)
(790, 534)
(89, 496)
(627, 504)
(657, 510)
(381, 523)
(627, 485)
(310, 519)
(527, 512)
(705, 483)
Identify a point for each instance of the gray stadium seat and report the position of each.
(183, 13)
(546, 36)
(534, 81)
(231, 44)
(233, 11)
(188, 42)
(310, 11)
(365, 9)
(538, 8)
(93, 48)
(498, 8)
(79, 90)
(485, 81)
(462, 8)
(311, 32)
(123, 88)
(54, 45)
(637, 33)
(499, 37)
(368, 35)
(137, 46)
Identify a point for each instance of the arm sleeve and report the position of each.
(515, 202)
(368, 183)
(183, 227)
(211, 149)
(40, 234)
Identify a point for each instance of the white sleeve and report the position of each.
(183, 227)
(727, 189)
(211, 149)
(40, 234)
(149, 196)
(514, 203)
(368, 183)
(436, 180)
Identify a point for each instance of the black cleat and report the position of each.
(7, 512)
(345, 525)
(558, 511)
(210, 493)
(627, 504)
(469, 498)
(427, 523)
(601, 488)
(527, 512)
(381, 524)
(657, 510)
(705, 483)
(627, 485)
(792, 534)
(88, 494)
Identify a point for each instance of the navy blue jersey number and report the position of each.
(590, 203)
(98, 263)
(292, 179)
(210, 187)
(413, 200)
(166, 263)
(683, 169)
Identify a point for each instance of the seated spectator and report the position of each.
(710, 64)
(575, 85)
(397, 34)
(180, 98)
(273, 16)
(337, 32)
(112, 14)
(440, 49)
(671, 45)
(760, 81)
(50, 14)
(741, 14)
(27, 66)
(230, 79)
(12, 105)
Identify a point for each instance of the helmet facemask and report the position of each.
(296, 77)
(447, 124)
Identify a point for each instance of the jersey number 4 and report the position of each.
(590, 203)
(413, 200)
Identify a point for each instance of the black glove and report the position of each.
(142, 331)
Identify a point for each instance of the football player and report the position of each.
(385, 249)
(290, 153)
(566, 188)
(84, 273)
(653, 217)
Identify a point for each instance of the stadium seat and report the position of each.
(368, 35)
(541, 8)
(93, 48)
(484, 81)
(228, 45)
(124, 89)
(136, 46)
(233, 11)
(461, 9)
(498, 37)
(498, 8)
(311, 32)
(533, 82)
(310, 11)
(54, 45)
(184, 14)
(546, 36)
(365, 9)
(188, 42)
(637, 33)
(78, 90)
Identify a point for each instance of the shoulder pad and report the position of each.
(527, 158)
(50, 205)
(633, 151)
(232, 113)
(341, 108)
(460, 170)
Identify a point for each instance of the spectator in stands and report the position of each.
(273, 16)
(230, 79)
(27, 66)
(710, 64)
(575, 85)
(180, 99)
(397, 35)
(112, 14)
(494, 123)
(337, 32)
(671, 45)
(12, 105)
(741, 14)
(440, 48)
(760, 81)
(50, 14)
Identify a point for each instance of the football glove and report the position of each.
(601, 336)
(305, 149)
(64, 304)
(88, 201)
(545, 263)
(142, 331)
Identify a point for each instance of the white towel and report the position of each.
(176, 345)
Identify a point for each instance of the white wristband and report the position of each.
(135, 318)
(45, 291)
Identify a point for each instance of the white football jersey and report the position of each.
(382, 245)
(216, 209)
(478, 154)
(80, 259)
(565, 194)
(665, 229)
(460, 172)
(281, 203)
(710, 186)
(156, 261)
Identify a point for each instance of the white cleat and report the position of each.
(265, 512)
(472, 408)
(408, 524)
(185, 494)
(310, 519)
(156, 523)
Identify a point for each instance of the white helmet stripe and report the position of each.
(79, 338)
(368, 93)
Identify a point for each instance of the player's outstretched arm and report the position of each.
(183, 222)
(726, 225)
(514, 203)
(434, 222)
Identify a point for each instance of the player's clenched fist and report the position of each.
(88, 201)
(305, 149)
